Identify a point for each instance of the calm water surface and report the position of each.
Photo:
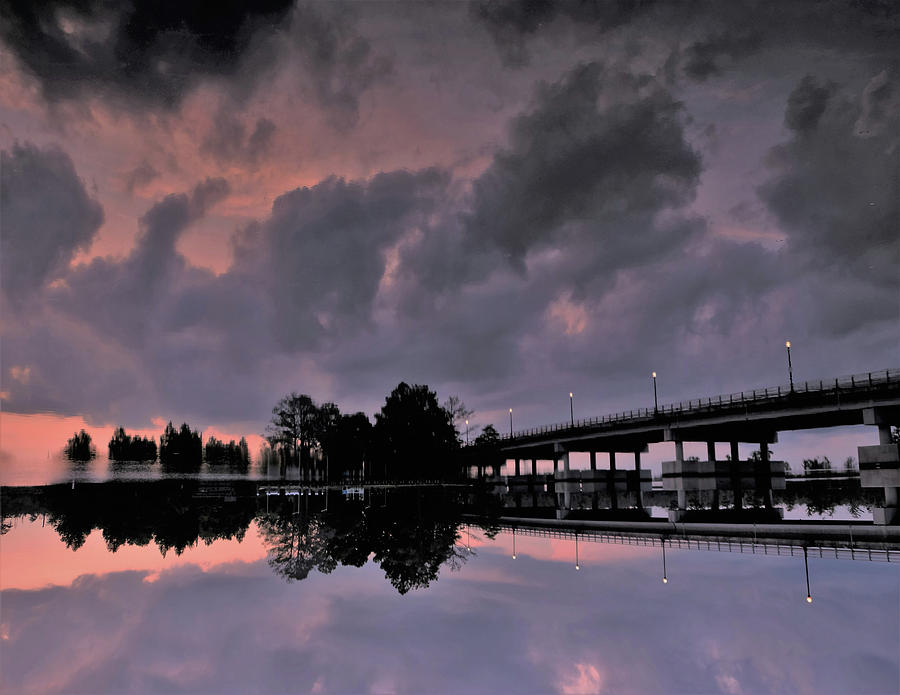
(213, 585)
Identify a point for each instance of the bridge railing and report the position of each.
(854, 382)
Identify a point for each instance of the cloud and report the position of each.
(228, 140)
(138, 56)
(144, 52)
(703, 58)
(806, 104)
(48, 215)
(140, 176)
(833, 189)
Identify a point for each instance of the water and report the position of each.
(212, 585)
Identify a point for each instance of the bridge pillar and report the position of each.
(555, 464)
(679, 461)
(611, 482)
(765, 477)
(639, 496)
(711, 457)
(593, 460)
(736, 489)
(533, 466)
(517, 468)
(565, 460)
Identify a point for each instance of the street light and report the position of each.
(510, 423)
(572, 408)
(790, 368)
(467, 433)
(514, 543)
(655, 400)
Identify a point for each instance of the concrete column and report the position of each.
(611, 482)
(679, 460)
(711, 457)
(555, 465)
(593, 460)
(517, 468)
(766, 478)
(533, 466)
(639, 496)
(736, 489)
(890, 496)
(884, 434)
(565, 458)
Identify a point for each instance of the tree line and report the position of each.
(414, 437)
(179, 448)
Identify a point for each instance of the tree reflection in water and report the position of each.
(409, 532)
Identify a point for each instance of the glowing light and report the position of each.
(653, 375)
(809, 599)
(787, 344)
(665, 581)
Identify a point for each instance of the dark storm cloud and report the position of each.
(321, 254)
(149, 52)
(708, 35)
(47, 217)
(704, 58)
(140, 54)
(834, 185)
(591, 167)
(510, 21)
(806, 104)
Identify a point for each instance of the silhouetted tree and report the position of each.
(348, 442)
(458, 412)
(124, 447)
(294, 422)
(489, 437)
(416, 438)
(236, 455)
(80, 448)
(181, 449)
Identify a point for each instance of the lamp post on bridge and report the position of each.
(467, 433)
(572, 408)
(510, 423)
(790, 368)
(655, 400)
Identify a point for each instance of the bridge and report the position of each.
(755, 416)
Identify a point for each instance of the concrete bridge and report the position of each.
(755, 416)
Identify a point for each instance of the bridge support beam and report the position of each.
(711, 457)
(639, 495)
(593, 460)
(534, 467)
(736, 490)
(764, 479)
(611, 482)
(518, 473)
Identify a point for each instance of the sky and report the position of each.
(205, 209)
(217, 619)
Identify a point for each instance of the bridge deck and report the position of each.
(745, 416)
